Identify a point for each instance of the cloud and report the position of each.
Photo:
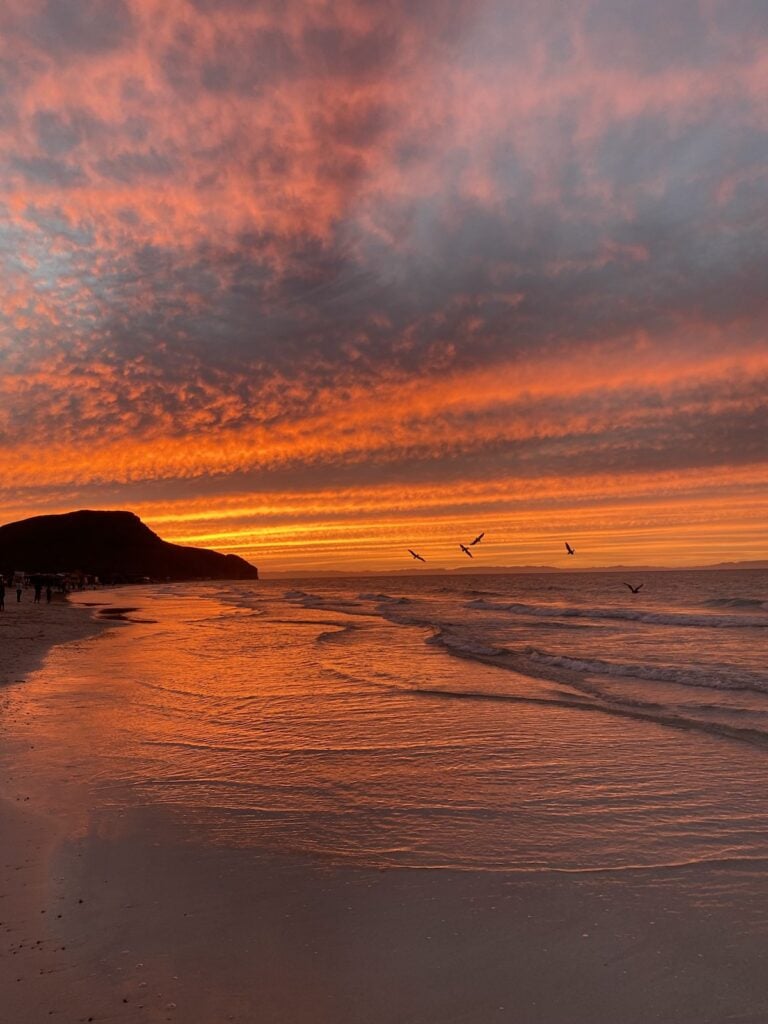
(70, 29)
(440, 240)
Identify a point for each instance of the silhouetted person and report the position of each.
(48, 593)
(2, 594)
(18, 593)
(38, 591)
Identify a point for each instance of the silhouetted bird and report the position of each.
(634, 590)
(465, 549)
(569, 549)
(416, 556)
(477, 539)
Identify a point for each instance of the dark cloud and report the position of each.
(55, 135)
(334, 50)
(48, 171)
(127, 167)
(68, 28)
(653, 36)
(745, 22)
(250, 63)
(238, 62)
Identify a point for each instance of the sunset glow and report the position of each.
(315, 283)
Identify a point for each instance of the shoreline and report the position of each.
(28, 632)
(129, 919)
(33, 957)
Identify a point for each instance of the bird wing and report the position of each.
(630, 586)
(478, 538)
(640, 587)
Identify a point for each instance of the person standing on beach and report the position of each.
(19, 588)
(2, 594)
(38, 591)
(48, 593)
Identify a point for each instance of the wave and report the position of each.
(654, 673)
(625, 614)
(532, 660)
(341, 631)
(539, 676)
(736, 602)
(638, 710)
(464, 645)
(587, 695)
(565, 668)
(305, 600)
(384, 599)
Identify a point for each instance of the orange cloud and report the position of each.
(458, 250)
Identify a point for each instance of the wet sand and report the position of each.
(28, 631)
(126, 919)
(144, 928)
(35, 967)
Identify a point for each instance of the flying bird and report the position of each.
(413, 553)
(569, 549)
(465, 549)
(634, 590)
(477, 539)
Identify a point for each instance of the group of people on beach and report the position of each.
(38, 588)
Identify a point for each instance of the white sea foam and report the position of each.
(307, 600)
(710, 677)
(736, 602)
(465, 645)
(657, 618)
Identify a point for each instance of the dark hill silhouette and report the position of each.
(115, 546)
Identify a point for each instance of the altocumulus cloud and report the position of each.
(483, 239)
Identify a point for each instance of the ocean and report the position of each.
(530, 722)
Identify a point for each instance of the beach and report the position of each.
(383, 392)
(216, 836)
(33, 964)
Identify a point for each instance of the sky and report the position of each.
(317, 282)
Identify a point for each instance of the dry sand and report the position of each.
(130, 923)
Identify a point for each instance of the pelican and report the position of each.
(477, 539)
(465, 549)
(413, 553)
(569, 549)
(634, 590)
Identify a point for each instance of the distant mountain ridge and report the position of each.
(502, 570)
(111, 545)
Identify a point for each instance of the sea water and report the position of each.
(481, 722)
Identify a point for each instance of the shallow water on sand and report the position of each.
(579, 727)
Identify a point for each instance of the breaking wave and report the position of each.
(664, 618)
(685, 676)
